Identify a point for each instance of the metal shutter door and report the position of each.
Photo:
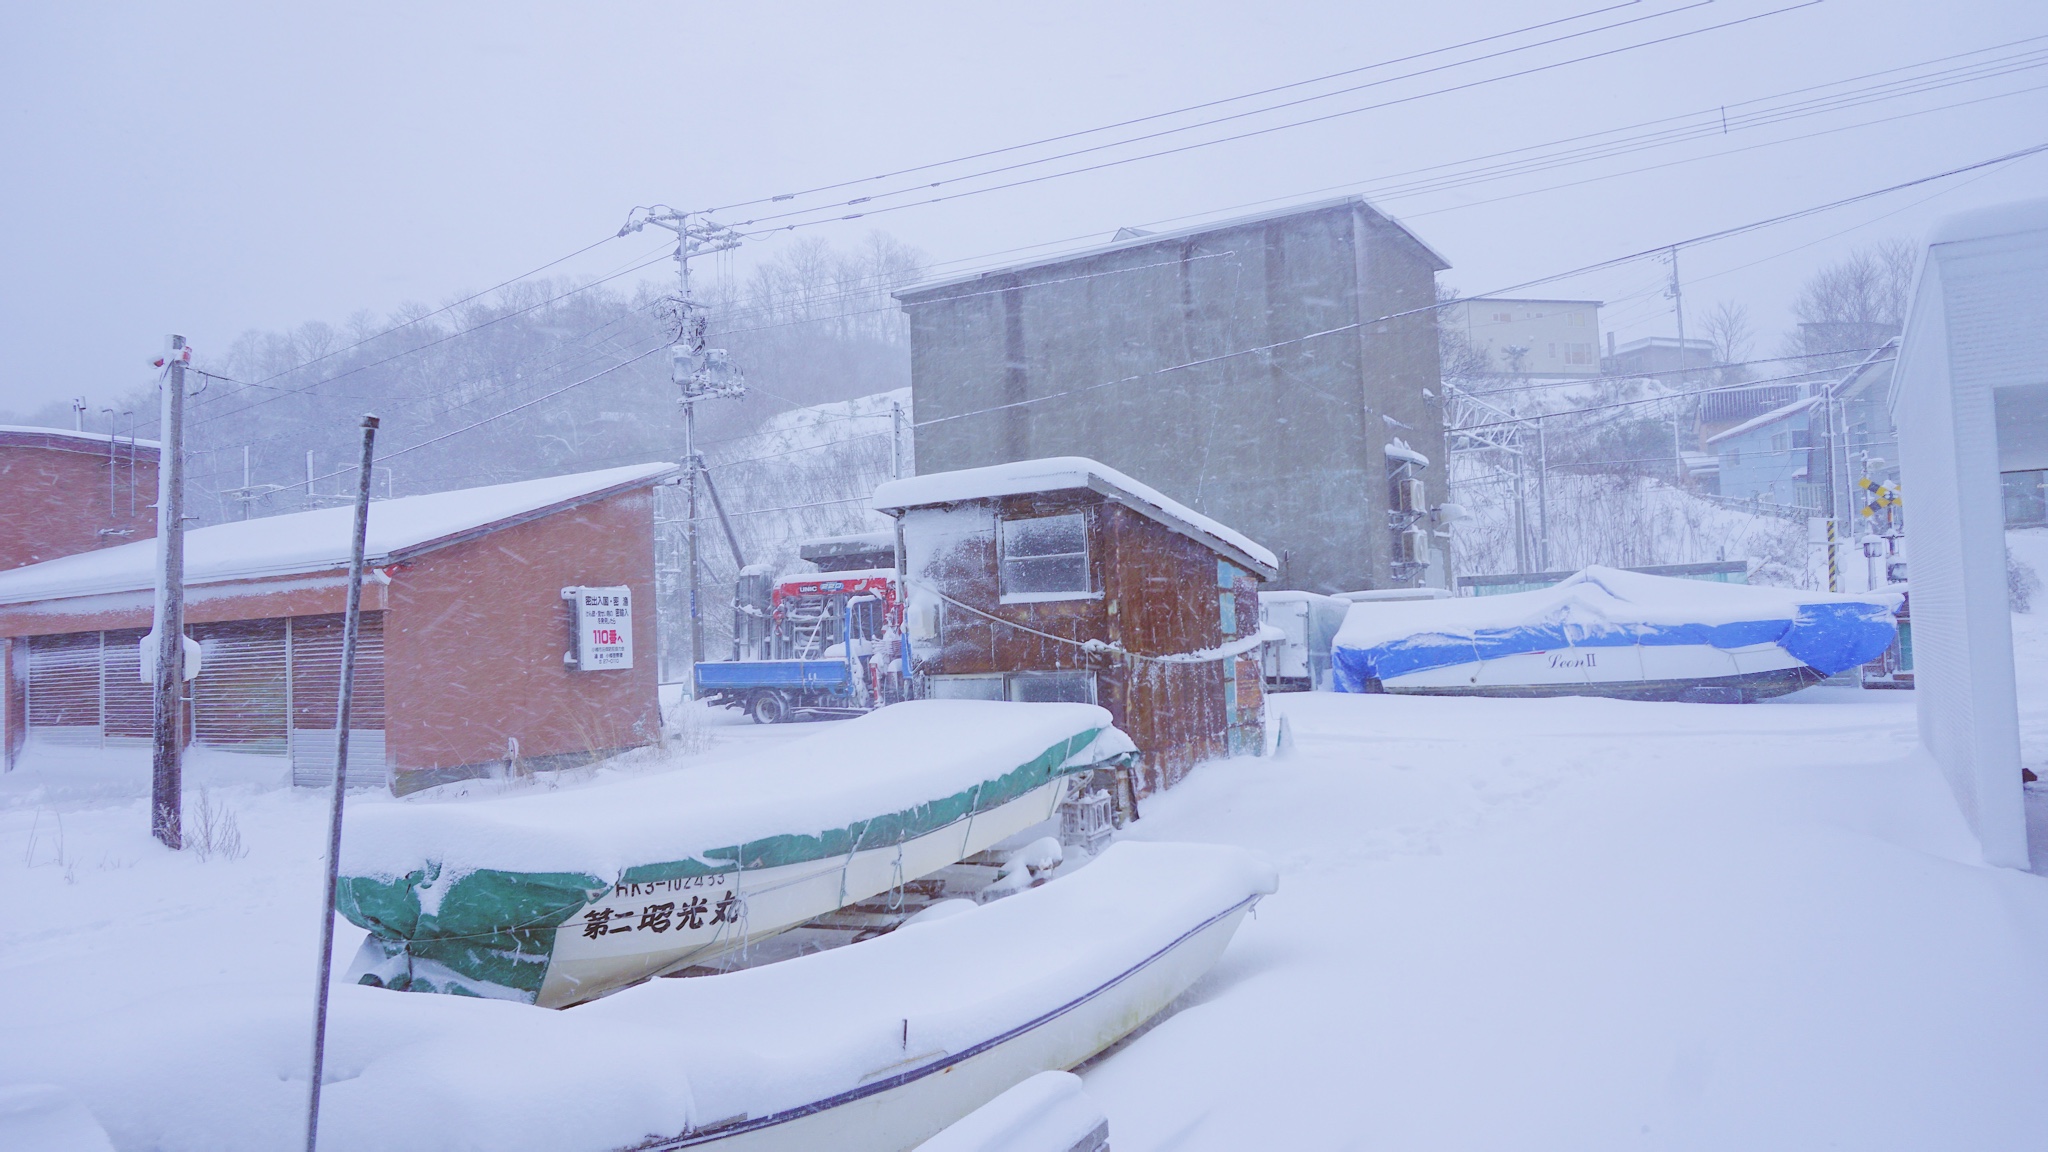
(126, 701)
(239, 696)
(64, 688)
(316, 690)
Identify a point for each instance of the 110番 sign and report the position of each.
(603, 626)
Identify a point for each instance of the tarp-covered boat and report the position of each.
(1606, 632)
(558, 897)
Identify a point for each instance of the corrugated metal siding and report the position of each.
(315, 696)
(266, 687)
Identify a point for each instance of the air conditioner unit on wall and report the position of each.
(1411, 546)
(1408, 495)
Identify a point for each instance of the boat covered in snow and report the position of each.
(557, 897)
(1606, 632)
(873, 1047)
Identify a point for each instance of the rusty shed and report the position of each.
(1064, 579)
(471, 651)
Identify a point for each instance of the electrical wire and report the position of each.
(1248, 134)
(788, 196)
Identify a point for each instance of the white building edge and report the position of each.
(1975, 349)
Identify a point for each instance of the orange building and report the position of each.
(470, 653)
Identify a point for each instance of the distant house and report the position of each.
(68, 492)
(471, 653)
(1557, 338)
(1064, 579)
(1279, 369)
(1658, 356)
(1770, 457)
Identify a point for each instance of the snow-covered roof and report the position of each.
(1997, 220)
(1059, 472)
(318, 541)
(25, 433)
(1398, 449)
(911, 294)
(1770, 417)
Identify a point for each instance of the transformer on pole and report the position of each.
(699, 372)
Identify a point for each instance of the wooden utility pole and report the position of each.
(351, 629)
(167, 697)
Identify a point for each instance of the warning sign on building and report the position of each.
(604, 628)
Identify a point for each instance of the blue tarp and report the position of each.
(1608, 608)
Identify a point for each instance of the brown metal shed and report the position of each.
(1063, 579)
(465, 659)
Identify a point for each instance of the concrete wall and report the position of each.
(57, 496)
(474, 637)
(1242, 371)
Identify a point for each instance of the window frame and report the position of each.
(1004, 559)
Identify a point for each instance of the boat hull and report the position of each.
(1697, 673)
(896, 1110)
(613, 942)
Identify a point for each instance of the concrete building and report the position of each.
(1063, 579)
(1535, 338)
(499, 625)
(1277, 371)
(68, 492)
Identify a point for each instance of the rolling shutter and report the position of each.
(64, 688)
(126, 704)
(316, 694)
(239, 697)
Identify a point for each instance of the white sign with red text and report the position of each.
(604, 627)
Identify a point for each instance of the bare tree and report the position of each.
(1857, 302)
(1727, 325)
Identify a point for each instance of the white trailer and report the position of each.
(1309, 623)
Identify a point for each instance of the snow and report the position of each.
(1398, 449)
(887, 761)
(46, 1118)
(1996, 220)
(1050, 1112)
(1053, 474)
(73, 434)
(316, 541)
(1535, 924)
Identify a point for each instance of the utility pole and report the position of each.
(167, 708)
(1677, 294)
(700, 372)
(895, 440)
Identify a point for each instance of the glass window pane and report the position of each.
(1053, 687)
(966, 687)
(1045, 554)
(1045, 536)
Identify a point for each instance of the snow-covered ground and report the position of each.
(1519, 924)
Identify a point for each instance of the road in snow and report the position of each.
(1563, 924)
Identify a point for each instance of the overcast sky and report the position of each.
(236, 167)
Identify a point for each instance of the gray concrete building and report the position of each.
(1277, 372)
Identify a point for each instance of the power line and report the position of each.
(788, 196)
(1024, 181)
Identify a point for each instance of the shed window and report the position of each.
(1045, 556)
(1053, 687)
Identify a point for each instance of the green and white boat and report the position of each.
(555, 898)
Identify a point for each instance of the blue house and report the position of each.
(1770, 458)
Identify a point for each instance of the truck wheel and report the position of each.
(769, 708)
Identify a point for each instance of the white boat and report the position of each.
(873, 1047)
(555, 898)
(1607, 632)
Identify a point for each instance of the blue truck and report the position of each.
(803, 644)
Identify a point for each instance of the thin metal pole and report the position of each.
(351, 629)
(167, 706)
(895, 441)
(690, 542)
(1542, 496)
